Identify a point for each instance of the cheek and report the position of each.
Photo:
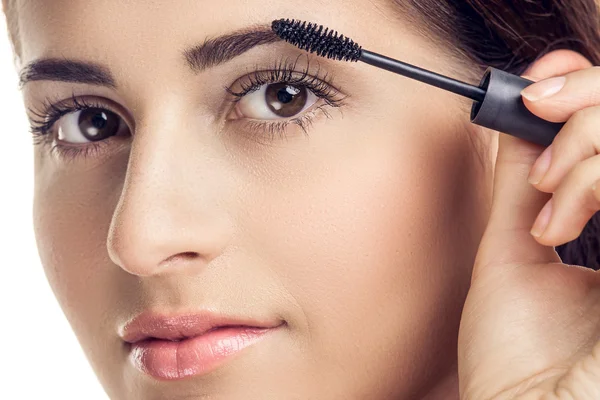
(72, 212)
(372, 230)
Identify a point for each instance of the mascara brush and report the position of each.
(497, 101)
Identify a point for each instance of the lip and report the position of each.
(171, 347)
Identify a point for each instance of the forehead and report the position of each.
(147, 29)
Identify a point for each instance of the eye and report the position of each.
(275, 101)
(89, 125)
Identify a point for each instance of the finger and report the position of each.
(515, 206)
(556, 63)
(578, 140)
(556, 99)
(575, 201)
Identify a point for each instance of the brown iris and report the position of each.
(285, 100)
(98, 124)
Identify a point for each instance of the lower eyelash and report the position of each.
(279, 128)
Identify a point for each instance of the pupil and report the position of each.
(284, 96)
(99, 120)
(286, 100)
(97, 124)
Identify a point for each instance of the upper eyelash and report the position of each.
(51, 112)
(285, 71)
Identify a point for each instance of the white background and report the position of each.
(40, 357)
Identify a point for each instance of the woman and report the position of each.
(222, 216)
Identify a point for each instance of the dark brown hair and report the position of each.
(505, 34)
(510, 35)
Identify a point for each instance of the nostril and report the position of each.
(188, 255)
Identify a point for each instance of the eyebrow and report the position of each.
(223, 48)
(212, 52)
(65, 70)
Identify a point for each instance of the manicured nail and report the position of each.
(541, 167)
(542, 221)
(544, 89)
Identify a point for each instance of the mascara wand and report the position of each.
(497, 105)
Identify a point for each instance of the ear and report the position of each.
(556, 63)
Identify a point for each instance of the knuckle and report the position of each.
(578, 176)
(579, 172)
(581, 117)
(582, 130)
(593, 96)
(581, 382)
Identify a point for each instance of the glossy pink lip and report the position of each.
(178, 346)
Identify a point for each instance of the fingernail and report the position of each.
(542, 221)
(544, 89)
(541, 167)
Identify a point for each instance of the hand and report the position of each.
(530, 328)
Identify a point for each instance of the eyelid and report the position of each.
(288, 68)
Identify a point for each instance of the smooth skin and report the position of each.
(531, 324)
(361, 236)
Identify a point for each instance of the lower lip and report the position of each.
(168, 360)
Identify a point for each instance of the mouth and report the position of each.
(172, 347)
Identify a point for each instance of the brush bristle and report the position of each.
(316, 39)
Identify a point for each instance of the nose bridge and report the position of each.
(170, 213)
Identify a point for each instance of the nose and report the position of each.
(171, 215)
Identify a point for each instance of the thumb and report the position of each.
(515, 206)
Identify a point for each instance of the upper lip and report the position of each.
(180, 326)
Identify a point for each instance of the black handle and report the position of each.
(503, 110)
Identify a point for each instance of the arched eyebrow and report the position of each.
(212, 52)
(223, 48)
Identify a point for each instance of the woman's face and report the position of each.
(342, 210)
